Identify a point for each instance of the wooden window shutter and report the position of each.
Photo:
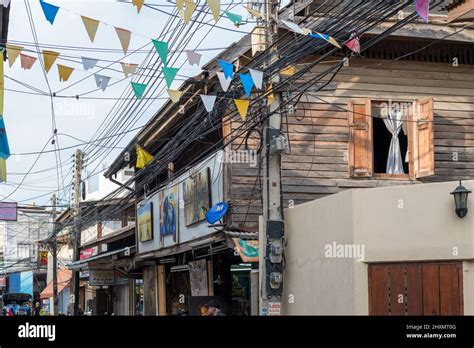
(360, 138)
(422, 142)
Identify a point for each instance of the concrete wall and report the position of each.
(389, 224)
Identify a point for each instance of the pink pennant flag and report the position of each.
(353, 44)
(423, 9)
(27, 61)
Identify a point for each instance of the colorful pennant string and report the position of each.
(91, 26)
(49, 57)
(50, 11)
(162, 50)
(242, 106)
(175, 95)
(247, 82)
(124, 36)
(129, 68)
(64, 72)
(193, 58)
(228, 69)
(170, 74)
(225, 83)
(139, 89)
(13, 53)
(208, 101)
(257, 77)
(27, 61)
(101, 81)
(89, 63)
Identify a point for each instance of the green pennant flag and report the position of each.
(139, 89)
(170, 74)
(162, 49)
(235, 18)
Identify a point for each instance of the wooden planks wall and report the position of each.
(319, 134)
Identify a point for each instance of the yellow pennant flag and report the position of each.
(143, 157)
(64, 72)
(13, 53)
(188, 11)
(215, 6)
(49, 57)
(174, 94)
(124, 37)
(138, 4)
(289, 71)
(254, 13)
(91, 26)
(3, 170)
(269, 95)
(242, 107)
(180, 5)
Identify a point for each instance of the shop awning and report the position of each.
(82, 263)
(111, 237)
(64, 278)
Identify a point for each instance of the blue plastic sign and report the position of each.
(217, 212)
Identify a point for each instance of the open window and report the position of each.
(391, 139)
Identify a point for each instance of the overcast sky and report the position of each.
(28, 117)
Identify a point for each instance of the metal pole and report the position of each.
(273, 230)
(54, 245)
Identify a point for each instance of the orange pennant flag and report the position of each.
(91, 26)
(64, 72)
(13, 53)
(242, 107)
(138, 4)
(124, 37)
(289, 71)
(49, 57)
(27, 61)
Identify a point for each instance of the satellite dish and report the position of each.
(217, 212)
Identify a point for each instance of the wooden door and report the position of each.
(416, 288)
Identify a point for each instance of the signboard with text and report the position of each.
(101, 278)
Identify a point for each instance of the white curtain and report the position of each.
(394, 123)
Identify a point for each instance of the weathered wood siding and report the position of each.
(319, 133)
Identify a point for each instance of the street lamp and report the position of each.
(460, 200)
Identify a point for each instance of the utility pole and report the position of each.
(77, 229)
(272, 236)
(54, 247)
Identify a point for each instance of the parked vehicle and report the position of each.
(16, 304)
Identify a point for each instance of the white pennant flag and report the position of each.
(209, 101)
(257, 77)
(293, 27)
(193, 58)
(5, 3)
(89, 63)
(101, 81)
(225, 83)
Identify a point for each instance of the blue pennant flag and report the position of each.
(50, 11)
(320, 36)
(247, 82)
(227, 68)
(4, 147)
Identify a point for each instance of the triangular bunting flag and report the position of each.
(50, 11)
(124, 36)
(247, 82)
(242, 107)
(174, 94)
(269, 95)
(215, 6)
(228, 69)
(353, 44)
(2, 85)
(91, 26)
(162, 49)
(143, 157)
(225, 83)
(235, 18)
(193, 58)
(208, 101)
(188, 11)
(129, 68)
(170, 74)
(64, 72)
(306, 31)
(423, 9)
(326, 38)
(101, 81)
(180, 5)
(89, 63)
(254, 12)
(4, 147)
(5, 3)
(288, 71)
(293, 27)
(49, 57)
(138, 4)
(139, 89)
(27, 61)
(13, 53)
(3, 170)
(257, 77)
